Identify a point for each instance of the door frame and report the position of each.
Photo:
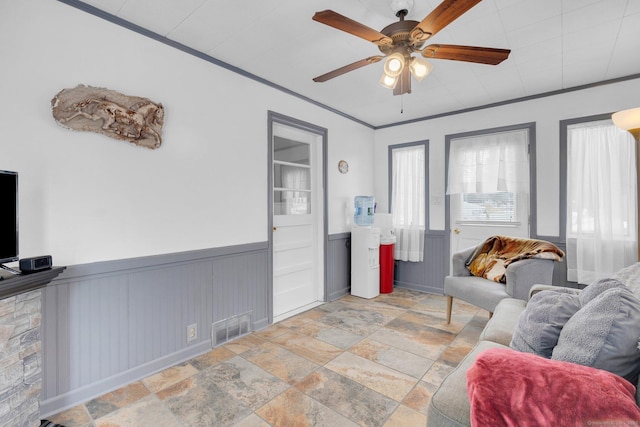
(533, 217)
(273, 117)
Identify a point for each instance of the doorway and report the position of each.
(490, 185)
(297, 219)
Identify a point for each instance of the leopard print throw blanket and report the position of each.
(490, 259)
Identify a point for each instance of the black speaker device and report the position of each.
(38, 263)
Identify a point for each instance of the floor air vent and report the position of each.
(228, 329)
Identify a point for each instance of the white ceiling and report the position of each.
(555, 45)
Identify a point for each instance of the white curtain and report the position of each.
(489, 164)
(601, 201)
(408, 202)
(299, 178)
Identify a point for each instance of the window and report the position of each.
(408, 200)
(291, 177)
(489, 207)
(487, 172)
(601, 201)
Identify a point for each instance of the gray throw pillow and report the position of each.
(597, 287)
(630, 276)
(604, 334)
(540, 323)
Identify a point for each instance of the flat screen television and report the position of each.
(8, 216)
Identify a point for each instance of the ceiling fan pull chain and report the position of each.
(402, 104)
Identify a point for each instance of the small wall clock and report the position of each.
(343, 166)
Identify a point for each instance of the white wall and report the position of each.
(85, 197)
(545, 112)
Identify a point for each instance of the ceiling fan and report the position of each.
(399, 40)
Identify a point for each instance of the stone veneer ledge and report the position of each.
(20, 360)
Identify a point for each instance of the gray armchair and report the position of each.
(486, 294)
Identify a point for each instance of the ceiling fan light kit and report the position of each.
(399, 40)
(420, 68)
(388, 81)
(394, 64)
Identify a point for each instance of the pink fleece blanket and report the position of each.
(510, 388)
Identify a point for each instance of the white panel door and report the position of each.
(465, 234)
(297, 207)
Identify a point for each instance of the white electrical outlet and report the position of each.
(192, 332)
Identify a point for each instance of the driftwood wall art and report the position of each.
(129, 118)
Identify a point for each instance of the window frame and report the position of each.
(390, 149)
(563, 157)
(571, 233)
(564, 234)
(531, 128)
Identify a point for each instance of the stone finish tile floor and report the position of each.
(350, 362)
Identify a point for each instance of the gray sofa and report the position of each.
(520, 275)
(449, 405)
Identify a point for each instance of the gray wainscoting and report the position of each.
(426, 276)
(338, 265)
(107, 324)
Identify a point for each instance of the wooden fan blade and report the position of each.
(480, 55)
(447, 12)
(342, 70)
(335, 20)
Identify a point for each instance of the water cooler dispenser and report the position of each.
(365, 261)
(365, 247)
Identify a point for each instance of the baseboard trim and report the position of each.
(68, 400)
(338, 294)
(298, 310)
(421, 288)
